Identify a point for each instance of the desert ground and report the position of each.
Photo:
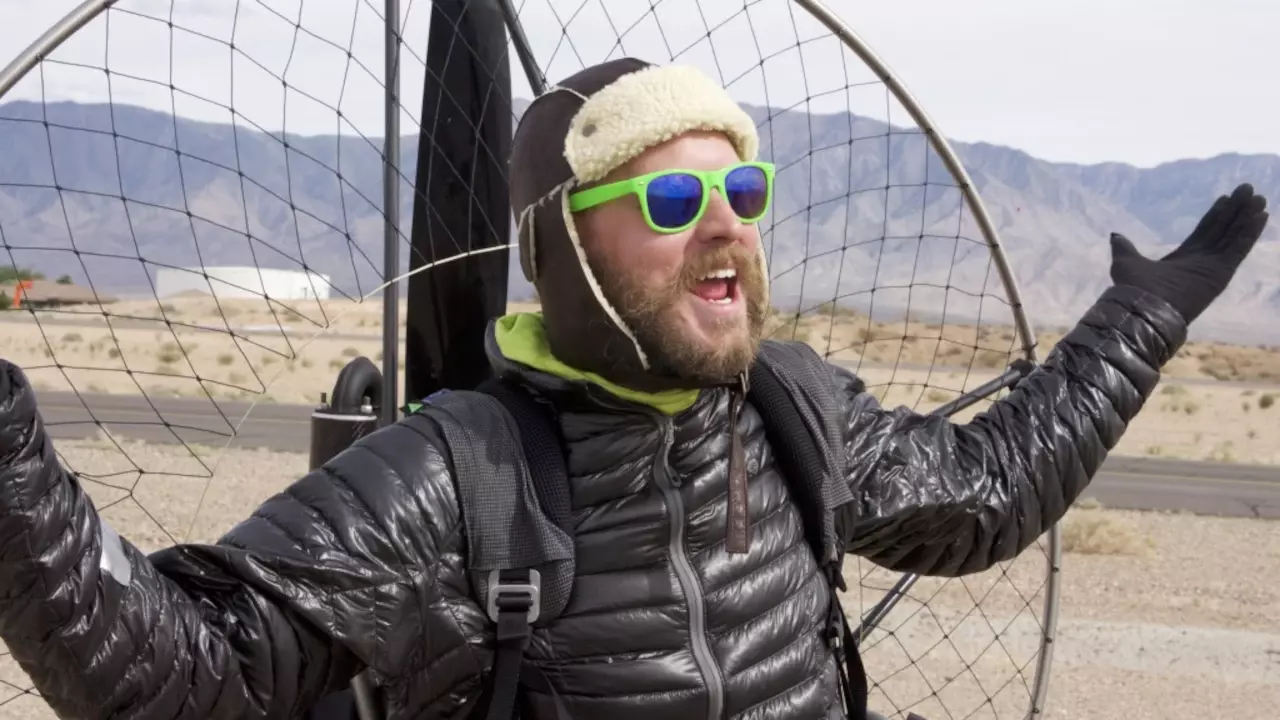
(1215, 401)
(1163, 615)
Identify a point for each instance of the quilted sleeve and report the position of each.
(936, 497)
(323, 580)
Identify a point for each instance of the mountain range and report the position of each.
(864, 212)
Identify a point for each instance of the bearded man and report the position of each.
(695, 592)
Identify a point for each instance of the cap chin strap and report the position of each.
(526, 220)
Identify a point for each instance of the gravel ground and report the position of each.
(1151, 626)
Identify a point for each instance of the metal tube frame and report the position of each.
(949, 158)
(524, 52)
(49, 41)
(391, 222)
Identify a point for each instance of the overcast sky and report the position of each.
(1138, 81)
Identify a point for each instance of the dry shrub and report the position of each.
(937, 395)
(1180, 400)
(1089, 529)
(1223, 452)
(991, 358)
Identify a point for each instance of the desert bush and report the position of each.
(938, 395)
(1222, 453)
(1092, 530)
(990, 359)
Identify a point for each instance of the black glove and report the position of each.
(1191, 277)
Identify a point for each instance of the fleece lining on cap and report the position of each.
(646, 108)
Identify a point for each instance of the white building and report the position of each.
(243, 282)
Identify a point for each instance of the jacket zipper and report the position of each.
(737, 514)
(688, 579)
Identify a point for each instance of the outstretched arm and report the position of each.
(939, 498)
(261, 625)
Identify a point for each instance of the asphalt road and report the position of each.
(1129, 483)
(174, 420)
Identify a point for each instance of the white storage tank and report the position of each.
(230, 282)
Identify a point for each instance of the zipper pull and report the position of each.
(738, 529)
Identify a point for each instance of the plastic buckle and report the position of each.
(531, 590)
(835, 642)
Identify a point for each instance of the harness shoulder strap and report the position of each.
(542, 445)
(792, 388)
(511, 476)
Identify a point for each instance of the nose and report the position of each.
(720, 224)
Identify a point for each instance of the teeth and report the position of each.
(721, 301)
(725, 274)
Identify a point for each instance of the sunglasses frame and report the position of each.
(638, 186)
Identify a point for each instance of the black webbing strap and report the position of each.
(853, 675)
(516, 597)
(512, 637)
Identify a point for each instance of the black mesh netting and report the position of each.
(191, 224)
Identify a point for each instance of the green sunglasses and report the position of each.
(674, 200)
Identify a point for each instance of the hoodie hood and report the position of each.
(517, 343)
(576, 133)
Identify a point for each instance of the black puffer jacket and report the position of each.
(360, 564)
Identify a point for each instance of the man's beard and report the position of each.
(650, 314)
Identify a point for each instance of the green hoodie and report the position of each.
(522, 338)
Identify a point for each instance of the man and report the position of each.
(636, 197)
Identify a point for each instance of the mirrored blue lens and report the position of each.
(674, 199)
(747, 189)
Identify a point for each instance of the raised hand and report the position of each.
(1191, 277)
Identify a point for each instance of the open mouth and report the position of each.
(718, 287)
